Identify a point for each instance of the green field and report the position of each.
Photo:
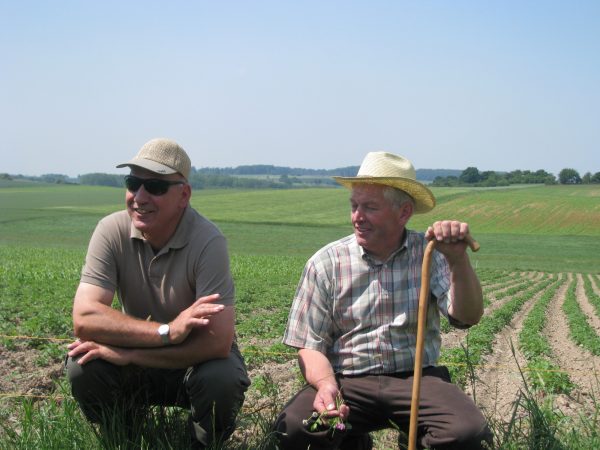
(549, 228)
(44, 230)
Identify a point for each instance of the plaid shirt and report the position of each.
(362, 313)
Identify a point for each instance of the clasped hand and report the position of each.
(450, 235)
(196, 316)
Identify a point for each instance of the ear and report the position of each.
(405, 212)
(186, 194)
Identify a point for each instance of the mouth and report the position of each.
(142, 211)
(361, 230)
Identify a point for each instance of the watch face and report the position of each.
(163, 332)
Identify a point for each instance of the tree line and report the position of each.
(242, 177)
(471, 176)
(277, 177)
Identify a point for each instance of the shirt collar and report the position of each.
(373, 262)
(181, 236)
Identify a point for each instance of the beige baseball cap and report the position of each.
(162, 156)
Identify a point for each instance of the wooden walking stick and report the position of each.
(421, 324)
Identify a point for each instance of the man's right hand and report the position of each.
(197, 315)
(327, 398)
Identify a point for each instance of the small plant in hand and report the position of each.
(321, 422)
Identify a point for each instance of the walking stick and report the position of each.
(421, 323)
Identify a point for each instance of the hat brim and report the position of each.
(150, 165)
(423, 197)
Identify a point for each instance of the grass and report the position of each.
(44, 231)
(561, 235)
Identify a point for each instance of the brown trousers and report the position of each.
(448, 418)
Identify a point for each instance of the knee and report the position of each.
(287, 426)
(477, 436)
(222, 381)
(474, 434)
(94, 377)
(94, 385)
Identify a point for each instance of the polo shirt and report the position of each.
(193, 263)
(362, 313)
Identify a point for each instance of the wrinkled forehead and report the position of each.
(366, 192)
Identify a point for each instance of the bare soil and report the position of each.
(21, 374)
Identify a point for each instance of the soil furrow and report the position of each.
(498, 381)
(583, 367)
(586, 306)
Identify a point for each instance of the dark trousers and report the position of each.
(448, 418)
(213, 391)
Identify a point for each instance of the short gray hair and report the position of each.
(397, 197)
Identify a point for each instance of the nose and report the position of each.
(357, 214)
(141, 195)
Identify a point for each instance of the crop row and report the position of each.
(544, 374)
(481, 337)
(579, 328)
(593, 298)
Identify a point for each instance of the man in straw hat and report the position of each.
(354, 317)
(173, 343)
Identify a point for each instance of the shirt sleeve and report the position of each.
(441, 289)
(440, 282)
(100, 268)
(213, 273)
(310, 320)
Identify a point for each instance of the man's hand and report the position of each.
(449, 235)
(325, 400)
(467, 296)
(197, 315)
(92, 350)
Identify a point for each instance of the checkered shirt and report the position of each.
(361, 313)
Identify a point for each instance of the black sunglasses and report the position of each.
(153, 186)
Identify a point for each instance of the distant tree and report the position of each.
(101, 179)
(448, 181)
(515, 177)
(54, 178)
(5, 176)
(595, 178)
(586, 178)
(569, 176)
(486, 175)
(470, 175)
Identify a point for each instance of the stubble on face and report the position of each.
(378, 224)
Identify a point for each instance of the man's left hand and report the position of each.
(91, 350)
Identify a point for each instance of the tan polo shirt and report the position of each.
(194, 263)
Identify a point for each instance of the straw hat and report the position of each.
(162, 156)
(395, 171)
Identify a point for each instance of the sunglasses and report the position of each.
(153, 186)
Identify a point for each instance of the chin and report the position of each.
(144, 227)
(362, 242)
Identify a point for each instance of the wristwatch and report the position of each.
(163, 332)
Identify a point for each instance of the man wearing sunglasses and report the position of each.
(173, 342)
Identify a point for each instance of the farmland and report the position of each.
(539, 266)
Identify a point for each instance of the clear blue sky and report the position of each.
(499, 85)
